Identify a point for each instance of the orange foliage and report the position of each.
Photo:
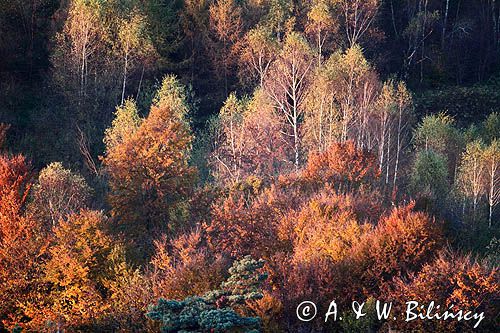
(185, 267)
(148, 172)
(73, 275)
(342, 165)
(21, 239)
(239, 227)
(326, 227)
(451, 279)
(400, 244)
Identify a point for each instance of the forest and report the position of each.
(208, 165)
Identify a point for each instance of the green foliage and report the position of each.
(366, 323)
(437, 133)
(215, 311)
(58, 193)
(125, 123)
(466, 104)
(490, 129)
(430, 175)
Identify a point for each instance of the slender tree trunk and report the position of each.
(490, 215)
(443, 33)
(398, 150)
(319, 48)
(140, 83)
(393, 20)
(388, 159)
(295, 129)
(125, 66)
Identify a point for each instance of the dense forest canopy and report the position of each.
(207, 165)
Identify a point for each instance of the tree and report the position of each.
(449, 279)
(246, 140)
(266, 144)
(280, 17)
(354, 87)
(320, 24)
(124, 125)
(343, 166)
(430, 175)
(491, 128)
(134, 44)
(58, 193)
(438, 133)
(22, 240)
(129, 292)
(401, 243)
(185, 266)
(404, 118)
(358, 17)
(78, 47)
(287, 86)
(492, 176)
(216, 309)
(420, 27)
(73, 275)
(230, 153)
(322, 118)
(326, 227)
(392, 117)
(149, 174)
(259, 50)
(237, 228)
(472, 174)
(225, 26)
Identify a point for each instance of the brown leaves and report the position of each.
(451, 279)
(148, 167)
(342, 165)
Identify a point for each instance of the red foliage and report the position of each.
(239, 228)
(342, 165)
(185, 267)
(21, 239)
(400, 244)
(451, 279)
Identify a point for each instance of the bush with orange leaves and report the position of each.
(455, 279)
(401, 243)
(185, 266)
(239, 227)
(71, 293)
(326, 227)
(343, 166)
(22, 242)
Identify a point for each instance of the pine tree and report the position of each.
(215, 311)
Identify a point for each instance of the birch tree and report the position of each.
(229, 141)
(353, 81)
(287, 86)
(259, 50)
(492, 177)
(472, 174)
(134, 45)
(77, 46)
(320, 25)
(358, 17)
(392, 116)
(322, 118)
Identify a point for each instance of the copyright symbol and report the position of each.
(306, 311)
